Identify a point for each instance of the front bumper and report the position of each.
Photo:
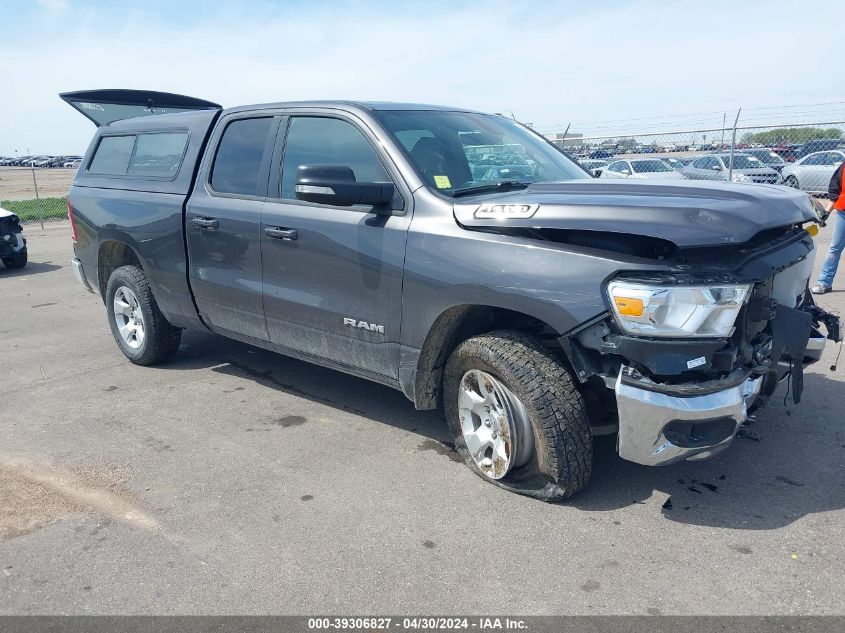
(657, 428)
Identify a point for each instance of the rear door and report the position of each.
(105, 106)
(333, 275)
(223, 225)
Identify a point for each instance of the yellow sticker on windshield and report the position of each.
(442, 182)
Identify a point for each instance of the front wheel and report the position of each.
(143, 334)
(792, 181)
(516, 416)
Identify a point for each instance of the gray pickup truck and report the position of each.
(458, 257)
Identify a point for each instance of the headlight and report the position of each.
(677, 311)
(741, 178)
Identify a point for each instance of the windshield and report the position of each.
(767, 157)
(649, 166)
(459, 150)
(743, 162)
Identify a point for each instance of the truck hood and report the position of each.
(687, 213)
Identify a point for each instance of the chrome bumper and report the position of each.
(76, 265)
(699, 426)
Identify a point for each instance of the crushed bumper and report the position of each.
(79, 273)
(657, 428)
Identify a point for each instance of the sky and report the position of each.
(596, 65)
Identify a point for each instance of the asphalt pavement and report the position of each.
(234, 480)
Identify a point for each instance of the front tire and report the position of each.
(18, 260)
(792, 181)
(142, 333)
(516, 416)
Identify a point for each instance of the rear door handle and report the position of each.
(205, 223)
(278, 233)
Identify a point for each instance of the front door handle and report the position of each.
(205, 223)
(278, 233)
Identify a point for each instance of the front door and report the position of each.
(223, 227)
(332, 276)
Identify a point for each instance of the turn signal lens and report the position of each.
(628, 306)
(813, 229)
(676, 311)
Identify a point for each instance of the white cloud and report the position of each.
(54, 7)
(549, 65)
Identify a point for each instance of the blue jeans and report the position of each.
(837, 243)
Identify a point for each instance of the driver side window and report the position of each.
(327, 141)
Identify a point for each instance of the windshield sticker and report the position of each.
(442, 182)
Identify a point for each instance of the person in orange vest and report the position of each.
(836, 197)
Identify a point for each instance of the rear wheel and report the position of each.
(143, 334)
(18, 260)
(516, 416)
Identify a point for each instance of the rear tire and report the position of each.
(560, 458)
(18, 260)
(142, 333)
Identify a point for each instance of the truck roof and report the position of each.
(160, 121)
(349, 105)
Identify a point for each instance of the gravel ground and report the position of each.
(234, 480)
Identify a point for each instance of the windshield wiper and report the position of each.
(505, 185)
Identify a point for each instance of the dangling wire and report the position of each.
(836, 362)
(788, 385)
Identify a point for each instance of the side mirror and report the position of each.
(717, 168)
(336, 184)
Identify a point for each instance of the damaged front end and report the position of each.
(682, 357)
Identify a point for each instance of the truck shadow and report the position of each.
(32, 268)
(794, 470)
(306, 380)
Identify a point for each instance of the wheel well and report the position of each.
(113, 255)
(456, 325)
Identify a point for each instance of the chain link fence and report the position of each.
(36, 194)
(803, 155)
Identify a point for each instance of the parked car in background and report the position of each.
(12, 242)
(641, 168)
(595, 167)
(789, 153)
(716, 167)
(600, 153)
(813, 172)
(820, 145)
(767, 156)
(73, 164)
